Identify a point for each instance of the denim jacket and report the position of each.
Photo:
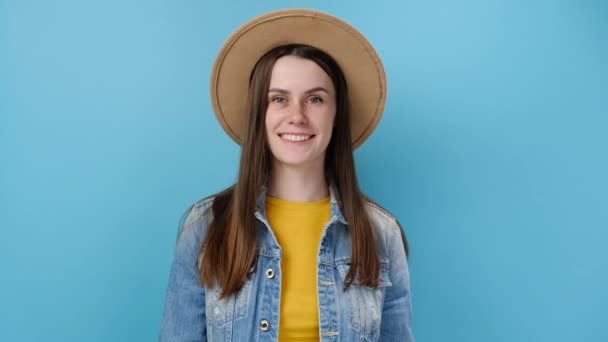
(194, 313)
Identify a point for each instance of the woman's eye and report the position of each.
(278, 99)
(315, 100)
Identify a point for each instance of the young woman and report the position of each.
(293, 251)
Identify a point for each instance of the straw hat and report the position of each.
(354, 54)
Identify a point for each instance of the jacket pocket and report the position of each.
(365, 303)
(220, 312)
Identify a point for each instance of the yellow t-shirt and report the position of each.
(298, 227)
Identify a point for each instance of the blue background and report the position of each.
(491, 153)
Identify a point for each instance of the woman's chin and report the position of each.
(295, 162)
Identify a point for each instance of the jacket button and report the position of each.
(270, 273)
(264, 325)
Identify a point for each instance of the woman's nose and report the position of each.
(296, 114)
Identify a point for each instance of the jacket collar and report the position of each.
(334, 199)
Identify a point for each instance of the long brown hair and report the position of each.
(228, 250)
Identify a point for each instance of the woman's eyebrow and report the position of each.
(283, 91)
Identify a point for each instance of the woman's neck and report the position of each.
(298, 184)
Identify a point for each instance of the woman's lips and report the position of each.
(296, 138)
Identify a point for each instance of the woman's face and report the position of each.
(301, 112)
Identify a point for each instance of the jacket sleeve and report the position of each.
(184, 311)
(397, 311)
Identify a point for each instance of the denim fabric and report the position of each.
(194, 313)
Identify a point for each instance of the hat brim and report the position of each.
(361, 65)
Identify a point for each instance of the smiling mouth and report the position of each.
(296, 137)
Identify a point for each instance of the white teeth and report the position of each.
(294, 137)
